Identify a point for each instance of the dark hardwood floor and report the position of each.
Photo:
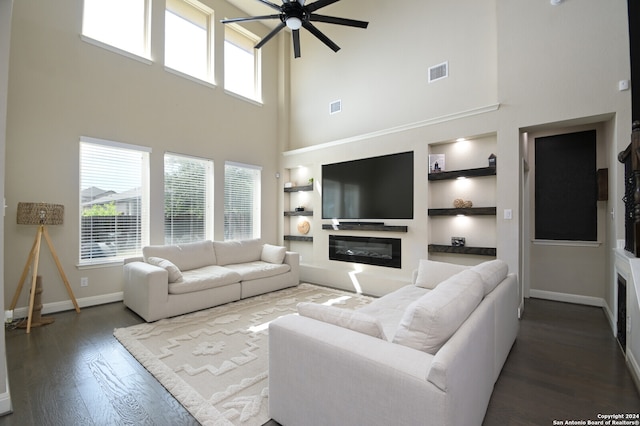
(565, 365)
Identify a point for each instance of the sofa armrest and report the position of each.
(146, 289)
(292, 258)
(322, 374)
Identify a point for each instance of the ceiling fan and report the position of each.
(295, 15)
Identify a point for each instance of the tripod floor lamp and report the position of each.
(41, 214)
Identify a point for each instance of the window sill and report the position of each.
(100, 264)
(244, 98)
(566, 243)
(130, 55)
(209, 84)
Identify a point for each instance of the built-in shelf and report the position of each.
(365, 227)
(300, 213)
(482, 171)
(299, 188)
(471, 211)
(298, 238)
(480, 251)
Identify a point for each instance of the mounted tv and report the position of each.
(369, 188)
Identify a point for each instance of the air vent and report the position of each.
(335, 107)
(438, 72)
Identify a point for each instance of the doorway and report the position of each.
(566, 237)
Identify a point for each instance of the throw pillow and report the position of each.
(430, 321)
(353, 320)
(432, 273)
(174, 272)
(273, 254)
(492, 273)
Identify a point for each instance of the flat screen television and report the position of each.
(369, 188)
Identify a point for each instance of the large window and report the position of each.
(188, 38)
(114, 200)
(188, 200)
(123, 24)
(241, 201)
(241, 63)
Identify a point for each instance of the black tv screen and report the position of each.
(369, 188)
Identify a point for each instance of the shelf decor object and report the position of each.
(40, 214)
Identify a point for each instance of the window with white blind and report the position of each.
(114, 200)
(188, 199)
(188, 38)
(123, 24)
(241, 63)
(241, 201)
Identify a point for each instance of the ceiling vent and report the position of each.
(438, 72)
(335, 107)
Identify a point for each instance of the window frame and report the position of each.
(144, 206)
(253, 39)
(256, 212)
(143, 56)
(209, 17)
(208, 196)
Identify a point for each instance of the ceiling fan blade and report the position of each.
(270, 35)
(296, 43)
(323, 38)
(319, 4)
(338, 21)
(271, 5)
(251, 18)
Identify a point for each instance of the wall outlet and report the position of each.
(8, 316)
(84, 282)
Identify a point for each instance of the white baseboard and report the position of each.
(634, 367)
(5, 399)
(611, 318)
(67, 305)
(567, 298)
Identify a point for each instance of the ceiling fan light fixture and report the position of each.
(294, 23)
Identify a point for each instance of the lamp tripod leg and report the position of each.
(34, 276)
(60, 270)
(23, 277)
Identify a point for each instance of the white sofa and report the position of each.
(425, 354)
(177, 279)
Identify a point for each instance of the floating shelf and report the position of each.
(299, 188)
(471, 211)
(365, 227)
(297, 238)
(480, 251)
(482, 171)
(302, 213)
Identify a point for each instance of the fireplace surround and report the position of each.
(368, 250)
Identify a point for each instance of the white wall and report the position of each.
(515, 66)
(62, 88)
(5, 36)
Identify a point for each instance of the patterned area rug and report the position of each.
(215, 362)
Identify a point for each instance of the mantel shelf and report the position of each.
(482, 171)
(299, 188)
(365, 227)
(298, 238)
(301, 213)
(471, 211)
(480, 251)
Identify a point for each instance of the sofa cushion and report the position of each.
(273, 254)
(432, 273)
(185, 256)
(353, 320)
(492, 273)
(390, 309)
(431, 320)
(230, 252)
(211, 276)
(174, 272)
(258, 269)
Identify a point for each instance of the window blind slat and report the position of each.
(242, 201)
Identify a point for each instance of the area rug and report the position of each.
(215, 362)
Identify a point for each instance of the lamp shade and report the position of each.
(40, 214)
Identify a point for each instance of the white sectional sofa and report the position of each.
(177, 279)
(426, 354)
